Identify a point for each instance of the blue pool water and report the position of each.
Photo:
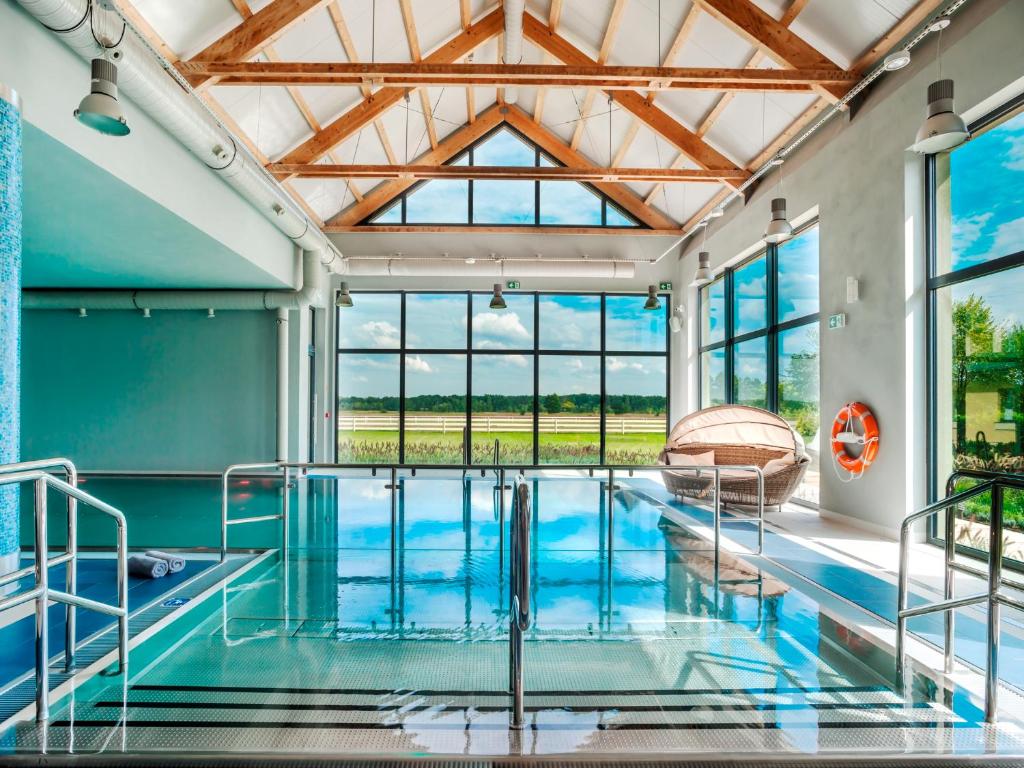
(351, 645)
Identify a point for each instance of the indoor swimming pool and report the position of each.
(384, 629)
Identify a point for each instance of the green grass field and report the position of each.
(516, 447)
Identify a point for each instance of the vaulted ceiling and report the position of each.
(677, 100)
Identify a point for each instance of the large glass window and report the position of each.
(763, 351)
(503, 202)
(431, 378)
(976, 319)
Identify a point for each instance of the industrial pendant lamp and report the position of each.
(779, 229)
(703, 274)
(100, 110)
(344, 298)
(652, 298)
(943, 128)
(497, 300)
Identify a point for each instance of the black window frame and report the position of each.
(534, 352)
(936, 282)
(771, 331)
(400, 199)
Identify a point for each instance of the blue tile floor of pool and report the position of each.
(97, 580)
(863, 589)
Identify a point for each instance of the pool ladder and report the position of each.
(519, 612)
(989, 482)
(39, 473)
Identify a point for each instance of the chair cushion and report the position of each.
(692, 459)
(775, 465)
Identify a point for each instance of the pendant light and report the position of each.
(779, 229)
(100, 110)
(703, 274)
(497, 300)
(943, 128)
(344, 298)
(652, 298)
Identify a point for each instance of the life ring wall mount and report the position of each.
(845, 433)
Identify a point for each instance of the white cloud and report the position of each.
(1015, 152)
(378, 333)
(418, 364)
(496, 328)
(1009, 237)
(967, 230)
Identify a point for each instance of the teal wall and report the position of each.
(175, 391)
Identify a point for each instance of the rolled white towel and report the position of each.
(175, 563)
(147, 567)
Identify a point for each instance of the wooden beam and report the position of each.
(795, 8)
(878, 49)
(774, 39)
(611, 29)
(675, 164)
(129, 11)
(682, 35)
(479, 229)
(242, 6)
(465, 15)
(409, 21)
(447, 148)
(555, 14)
(620, 194)
(416, 75)
(466, 18)
(377, 103)
(706, 208)
(418, 172)
(255, 33)
(702, 154)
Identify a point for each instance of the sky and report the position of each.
(446, 201)
(439, 321)
(987, 202)
(797, 286)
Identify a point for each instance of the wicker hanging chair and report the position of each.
(738, 435)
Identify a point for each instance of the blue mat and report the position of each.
(97, 580)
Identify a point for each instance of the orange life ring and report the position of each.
(868, 437)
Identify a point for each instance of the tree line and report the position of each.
(520, 404)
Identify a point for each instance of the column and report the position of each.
(10, 317)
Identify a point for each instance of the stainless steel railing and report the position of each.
(302, 467)
(989, 482)
(41, 592)
(519, 611)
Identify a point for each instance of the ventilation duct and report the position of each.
(142, 77)
(367, 267)
(513, 40)
(312, 294)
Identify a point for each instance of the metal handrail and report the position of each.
(71, 568)
(225, 522)
(519, 613)
(993, 483)
(41, 592)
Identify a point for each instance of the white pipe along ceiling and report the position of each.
(311, 293)
(142, 75)
(513, 39)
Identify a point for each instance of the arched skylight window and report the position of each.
(504, 202)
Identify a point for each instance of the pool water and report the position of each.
(351, 645)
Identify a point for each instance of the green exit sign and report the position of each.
(664, 286)
(512, 284)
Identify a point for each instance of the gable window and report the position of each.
(759, 340)
(503, 202)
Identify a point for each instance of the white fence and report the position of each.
(454, 422)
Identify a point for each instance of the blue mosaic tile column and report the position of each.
(10, 317)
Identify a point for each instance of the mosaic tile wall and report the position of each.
(10, 316)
